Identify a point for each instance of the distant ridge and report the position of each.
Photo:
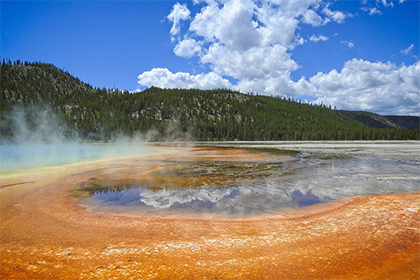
(378, 121)
(408, 122)
(99, 114)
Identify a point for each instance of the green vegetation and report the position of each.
(378, 121)
(408, 122)
(94, 114)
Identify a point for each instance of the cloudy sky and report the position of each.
(357, 55)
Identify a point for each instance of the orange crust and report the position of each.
(46, 235)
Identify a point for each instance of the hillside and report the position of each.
(94, 114)
(371, 119)
(408, 122)
(378, 121)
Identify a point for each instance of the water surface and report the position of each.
(17, 158)
(286, 179)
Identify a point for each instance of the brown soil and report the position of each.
(46, 235)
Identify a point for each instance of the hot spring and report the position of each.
(246, 179)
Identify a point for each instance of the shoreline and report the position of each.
(45, 235)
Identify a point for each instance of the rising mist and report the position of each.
(37, 137)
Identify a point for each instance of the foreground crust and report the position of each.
(46, 235)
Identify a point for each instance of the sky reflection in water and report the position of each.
(263, 187)
(16, 158)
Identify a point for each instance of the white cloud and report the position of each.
(242, 39)
(312, 18)
(374, 86)
(378, 3)
(318, 38)
(372, 11)
(375, 10)
(188, 48)
(179, 12)
(386, 4)
(252, 42)
(297, 41)
(162, 77)
(336, 16)
(255, 63)
(231, 25)
(407, 50)
(249, 41)
(348, 44)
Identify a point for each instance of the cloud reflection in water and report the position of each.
(310, 180)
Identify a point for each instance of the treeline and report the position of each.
(99, 114)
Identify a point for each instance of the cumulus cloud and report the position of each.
(252, 42)
(162, 77)
(362, 85)
(188, 48)
(312, 18)
(249, 41)
(179, 12)
(336, 16)
(231, 24)
(318, 38)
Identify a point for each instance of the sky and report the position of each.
(352, 55)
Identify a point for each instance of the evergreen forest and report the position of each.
(80, 111)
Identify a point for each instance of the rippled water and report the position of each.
(285, 180)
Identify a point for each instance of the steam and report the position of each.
(35, 125)
(171, 132)
(35, 137)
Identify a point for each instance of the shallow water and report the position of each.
(29, 156)
(283, 181)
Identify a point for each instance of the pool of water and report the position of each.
(282, 181)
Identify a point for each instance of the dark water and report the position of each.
(245, 188)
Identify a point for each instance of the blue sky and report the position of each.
(357, 55)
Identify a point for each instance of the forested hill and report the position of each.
(378, 121)
(95, 114)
